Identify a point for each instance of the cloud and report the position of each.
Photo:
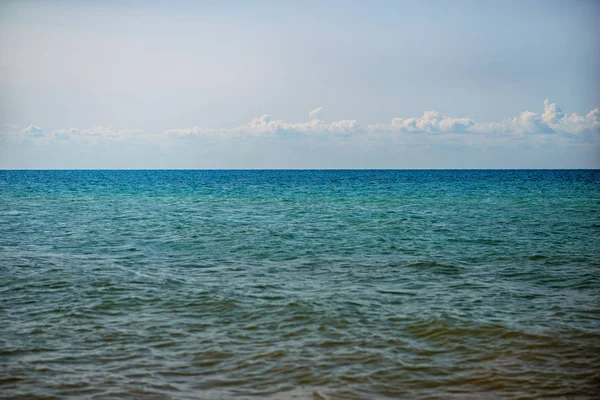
(33, 131)
(430, 122)
(552, 113)
(553, 125)
(314, 114)
(95, 134)
(265, 125)
(552, 121)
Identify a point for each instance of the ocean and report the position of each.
(323, 284)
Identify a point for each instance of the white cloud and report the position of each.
(430, 122)
(314, 114)
(552, 121)
(95, 134)
(551, 126)
(33, 131)
(267, 126)
(552, 113)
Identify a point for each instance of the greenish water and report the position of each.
(299, 284)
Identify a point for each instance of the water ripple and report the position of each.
(299, 284)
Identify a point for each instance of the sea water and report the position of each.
(299, 284)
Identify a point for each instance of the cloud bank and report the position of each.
(552, 124)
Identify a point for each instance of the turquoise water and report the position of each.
(299, 284)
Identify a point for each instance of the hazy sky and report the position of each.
(274, 84)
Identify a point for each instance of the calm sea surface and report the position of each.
(299, 284)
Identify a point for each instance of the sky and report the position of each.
(290, 84)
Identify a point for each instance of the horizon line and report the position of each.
(299, 169)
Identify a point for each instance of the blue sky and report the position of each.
(428, 84)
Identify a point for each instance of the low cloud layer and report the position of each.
(552, 123)
(430, 122)
(265, 125)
